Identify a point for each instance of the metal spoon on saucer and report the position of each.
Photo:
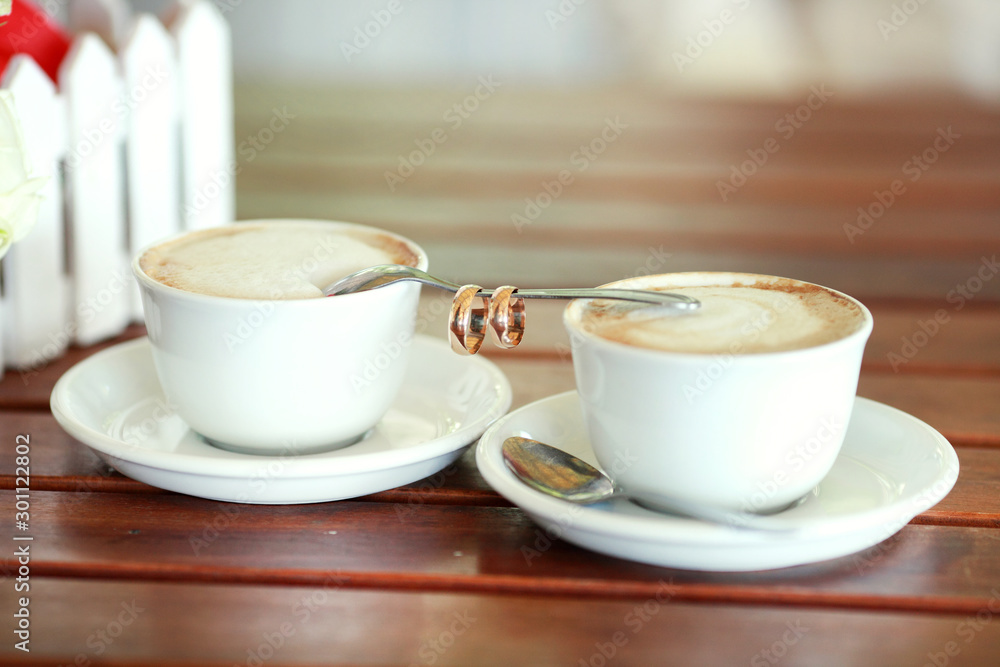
(386, 274)
(569, 478)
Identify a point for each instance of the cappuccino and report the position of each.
(739, 314)
(284, 260)
(716, 405)
(250, 362)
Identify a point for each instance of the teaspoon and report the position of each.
(386, 274)
(560, 474)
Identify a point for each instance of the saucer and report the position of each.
(891, 467)
(112, 402)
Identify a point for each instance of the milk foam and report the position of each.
(756, 316)
(287, 260)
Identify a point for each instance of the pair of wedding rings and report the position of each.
(502, 313)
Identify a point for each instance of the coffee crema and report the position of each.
(281, 260)
(742, 314)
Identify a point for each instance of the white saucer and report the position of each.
(892, 467)
(113, 403)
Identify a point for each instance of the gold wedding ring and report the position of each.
(506, 316)
(466, 324)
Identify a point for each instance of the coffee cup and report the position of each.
(741, 405)
(251, 354)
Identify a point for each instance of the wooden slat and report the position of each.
(159, 625)
(532, 107)
(484, 141)
(931, 337)
(657, 185)
(663, 184)
(571, 222)
(61, 463)
(173, 537)
(975, 499)
(963, 409)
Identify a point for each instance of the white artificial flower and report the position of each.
(19, 198)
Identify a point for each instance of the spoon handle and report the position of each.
(680, 301)
(387, 274)
(501, 311)
(642, 296)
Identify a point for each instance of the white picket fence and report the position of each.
(137, 144)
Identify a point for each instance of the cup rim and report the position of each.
(571, 321)
(146, 281)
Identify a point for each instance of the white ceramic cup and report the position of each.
(281, 376)
(740, 432)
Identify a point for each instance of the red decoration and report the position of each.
(28, 29)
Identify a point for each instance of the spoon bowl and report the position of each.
(564, 476)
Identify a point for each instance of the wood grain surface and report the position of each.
(434, 572)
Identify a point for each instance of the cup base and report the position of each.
(735, 517)
(286, 450)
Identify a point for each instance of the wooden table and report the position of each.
(432, 573)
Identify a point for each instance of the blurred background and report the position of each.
(720, 47)
(753, 135)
